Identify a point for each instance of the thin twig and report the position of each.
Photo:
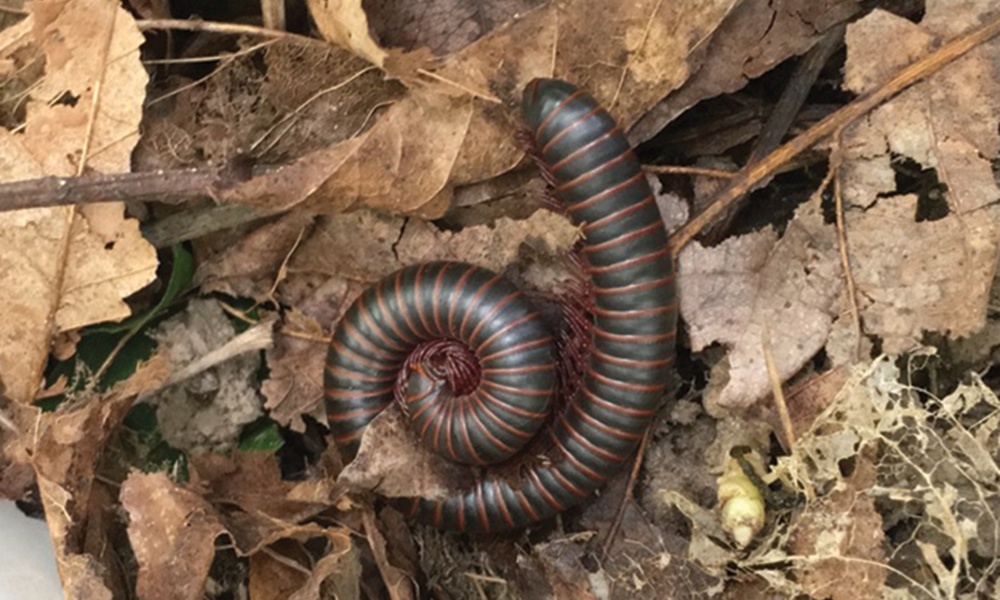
(842, 247)
(756, 172)
(170, 187)
(702, 171)
(195, 60)
(7, 423)
(218, 27)
(780, 404)
(627, 498)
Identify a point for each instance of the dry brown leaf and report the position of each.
(921, 276)
(454, 130)
(366, 246)
(394, 462)
(65, 447)
(345, 23)
(930, 275)
(173, 532)
(398, 582)
(256, 506)
(561, 561)
(173, 529)
(808, 400)
(842, 539)
(443, 26)
(285, 571)
(251, 267)
(61, 269)
(761, 285)
(295, 384)
(755, 37)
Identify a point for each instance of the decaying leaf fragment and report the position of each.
(759, 283)
(65, 447)
(61, 269)
(456, 127)
(842, 539)
(914, 273)
(173, 534)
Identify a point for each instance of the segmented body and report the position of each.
(597, 176)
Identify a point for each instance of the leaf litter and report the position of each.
(884, 487)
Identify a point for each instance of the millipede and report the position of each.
(472, 362)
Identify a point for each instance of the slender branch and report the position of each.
(172, 187)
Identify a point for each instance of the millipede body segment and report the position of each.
(595, 173)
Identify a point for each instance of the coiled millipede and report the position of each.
(397, 326)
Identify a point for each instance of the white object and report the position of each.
(27, 561)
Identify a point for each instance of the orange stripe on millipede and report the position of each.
(585, 177)
(382, 336)
(474, 415)
(353, 356)
(634, 339)
(505, 425)
(387, 315)
(513, 390)
(461, 514)
(635, 287)
(484, 522)
(456, 293)
(436, 298)
(526, 506)
(518, 370)
(614, 432)
(502, 503)
(628, 264)
(419, 290)
(533, 474)
(618, 215)
(625, 237)
(582, 150)
(496, 308)
(624, 385)
(605, 194)
(463, 420)
(515, 323)
(398, 290)
(593, 448)
(618, 408)
(567, 455)
(631, 362)
(515, 349)
(555, 111)
(354, 414)
(474, 303)
(632, 314)
(355, 334)
(596, 111)
(567, 484)
(508, 407)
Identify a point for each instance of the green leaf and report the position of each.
(263, 435)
